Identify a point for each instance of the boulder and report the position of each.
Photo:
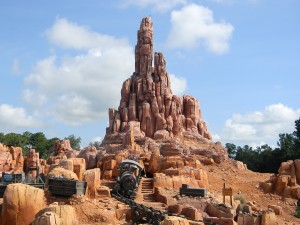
(221, 220)
(268, 218)
(66, 164)
(161, 134)
(20, 204)
(191, 212)
(92, 177)
(66, 213)
(172, 148)
(173, 220)
(102, 191)
(48, 218)
(62, 173)
(276, 208)
(282, 183)
(91, 156)
(78, 167)
(297, 168)
(266, 186)
(219, 211)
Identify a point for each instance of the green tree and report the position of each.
(296, 135)
(95, 144)
(74, 141)
(39, 142)
(14, 139)
(2, 137)
(231, 150)
(286, 146)
(50, 147)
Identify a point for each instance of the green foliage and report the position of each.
(297, 213)
(231, 150)
(241, 198)
(95, 144)
(75, 142)
(259, 159)
(29, 140)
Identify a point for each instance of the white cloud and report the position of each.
(80, 88)
(178, 84)
(12, 117)
(70, 35)
(260, 126)
(194, 25)
(156, 5)
(98, 138)
(15, 67)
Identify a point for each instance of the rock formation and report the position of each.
(147, 101)
(11, 159)
(62, 150)
(20, 204)
(287, 182)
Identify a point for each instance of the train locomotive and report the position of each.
(128, 179)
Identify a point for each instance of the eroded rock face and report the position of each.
(11, 159)
(287, 182)
(91, 156)
(66, 214)
(20, 204)
(147, 99)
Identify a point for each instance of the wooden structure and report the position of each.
(227, 192)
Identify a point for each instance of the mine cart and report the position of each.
(186, 190)
(9, 178)
(66, 187)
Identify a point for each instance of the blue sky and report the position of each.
(62, 63)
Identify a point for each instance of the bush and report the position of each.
(241, 198)
(297, 214)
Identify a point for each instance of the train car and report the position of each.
(128, 179)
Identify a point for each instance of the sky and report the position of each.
(62, 63)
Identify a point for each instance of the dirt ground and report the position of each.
(245, 184)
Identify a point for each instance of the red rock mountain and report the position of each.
(147, 104)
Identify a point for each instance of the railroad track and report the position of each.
(150, 211)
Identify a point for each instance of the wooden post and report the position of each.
(227, 192)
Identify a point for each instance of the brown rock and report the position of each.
(282, 183)
(266, 186)
(191, 212)
(66, 164)
(219, 211)
(66, 214)
(102, 191)
(20, 204)
(91, 156)
(92, 177)
(173, 220)
(297, 168)
(48, 218)
(32, 161)
(146, 97)
(161, 134)
(176, 208)
(276, 208)
(62, 173)
(78, 167)
(268, 218)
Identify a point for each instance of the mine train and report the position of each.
(130, 173)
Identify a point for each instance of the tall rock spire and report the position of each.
(147, 104)
(144, 48)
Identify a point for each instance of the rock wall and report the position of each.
(11, 159)
(287, 182)
(147, 99)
